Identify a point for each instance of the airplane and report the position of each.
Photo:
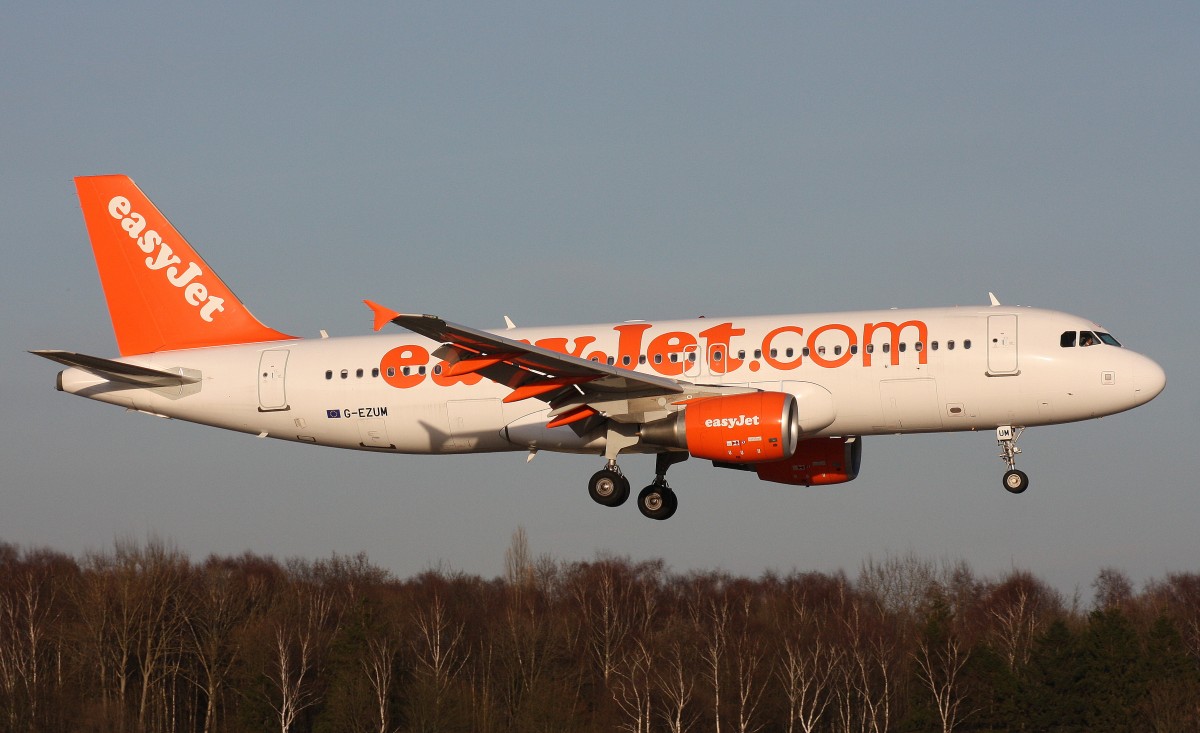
(789, 398)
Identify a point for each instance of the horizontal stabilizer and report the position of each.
(117, 371)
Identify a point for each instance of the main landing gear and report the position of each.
(1006, 437)
(609, 487)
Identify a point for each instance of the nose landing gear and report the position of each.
(1006, 437)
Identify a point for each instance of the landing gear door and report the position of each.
(272, 369)
(1002, 345)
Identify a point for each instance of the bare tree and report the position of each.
(28, 609)
(300, 632)
(713, 625)
(1015, 609)
(603, 597)
(439, 654)
(518, 562)
(222, 600)
(631, 686)
(748, 663)
(104, 598)
(160, 571)
(940, 662)
(674, 679)
(871, 667)
(1113, 588)
(378, 665)
(806, 670)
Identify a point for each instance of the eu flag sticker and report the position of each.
(333, 413)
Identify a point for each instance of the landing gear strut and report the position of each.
(1006, 437)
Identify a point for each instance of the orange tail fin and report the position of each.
(161, 295)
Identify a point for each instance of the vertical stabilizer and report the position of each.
(161, 295)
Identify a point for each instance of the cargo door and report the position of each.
(910, 404)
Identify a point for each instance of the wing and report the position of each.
(575, 388)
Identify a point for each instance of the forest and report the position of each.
(141, 638)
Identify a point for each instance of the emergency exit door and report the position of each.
(1002, 345)
(272, 373)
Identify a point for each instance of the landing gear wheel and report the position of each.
(608, 488)
(1016, 481)
(657, 501)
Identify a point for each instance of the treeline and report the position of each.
(140, 638)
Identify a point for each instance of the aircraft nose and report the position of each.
(1149, 379)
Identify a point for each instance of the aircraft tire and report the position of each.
(1016, 481)
(608, 488)
(657, 502)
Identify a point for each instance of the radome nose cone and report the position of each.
(1149, 379)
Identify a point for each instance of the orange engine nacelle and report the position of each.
(816, 462)
(745, 428)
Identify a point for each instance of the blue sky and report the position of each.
(563, 163)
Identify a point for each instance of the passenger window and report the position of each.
(421, 370)
(933, 346)
(741, 353)
(611, 361)
(903, 346)
(1067, 340)
(837, 350)
(887, 348)
(966, 343)
(642, 359)
(329, 374)
(950, 344)
(375, 372)
(789, 352)
(717, 356)
(658, 358)
(758, 353)
(918, 346)
(391, 372)
(870, 348)
(853, 348)
(437, 369)
(345, 373)
(804, 351)
(359, 373)
(625, 360)
(821, 350)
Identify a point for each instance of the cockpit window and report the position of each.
(1086, 338)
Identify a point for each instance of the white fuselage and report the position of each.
(891, 371)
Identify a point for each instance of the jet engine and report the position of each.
(815, 462)
(740, 429)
